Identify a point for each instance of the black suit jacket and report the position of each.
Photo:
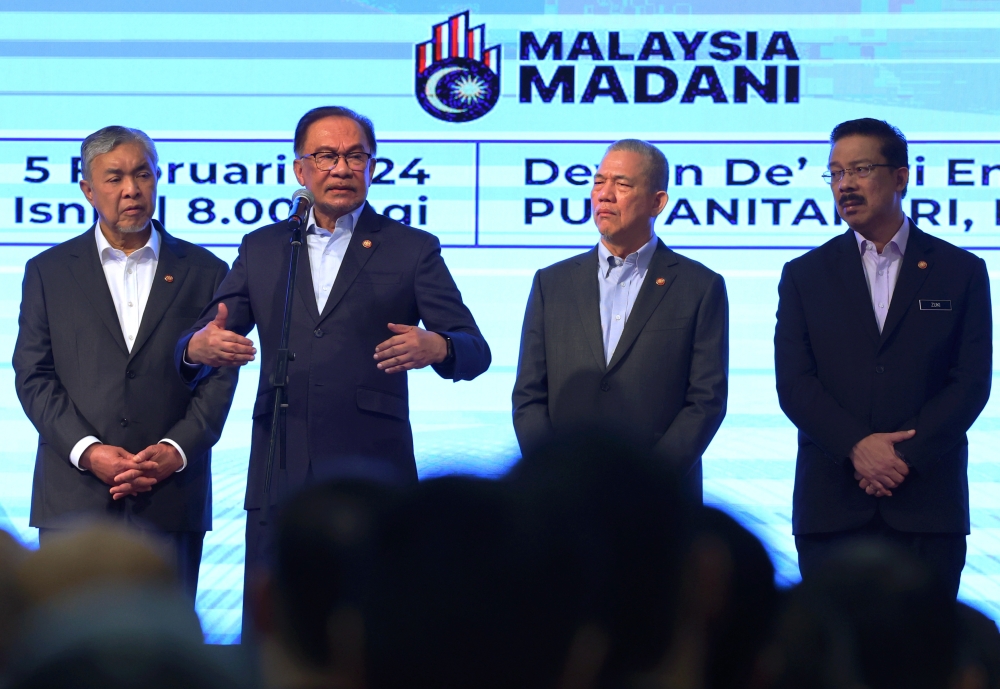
(840, 380)
(666, 385)
(340, 406)
(75, 377)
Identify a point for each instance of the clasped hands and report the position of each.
(877, 467)
(129, 474)
(409, 348)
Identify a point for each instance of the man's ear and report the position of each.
(297, 169)
(902, 178)
(661, 202)
(88, 191)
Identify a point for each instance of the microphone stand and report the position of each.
(279, 378)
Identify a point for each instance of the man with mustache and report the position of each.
(883, 357)
(630, 336)
(364, 281)
(119, 433)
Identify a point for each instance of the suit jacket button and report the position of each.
(130, 374)
(880, 369)
(124, 422)
(318, 332)
(605, 386)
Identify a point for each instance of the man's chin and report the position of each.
(132, 227)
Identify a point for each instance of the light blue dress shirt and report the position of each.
(326, 252)
(882, 269)
(619, 280)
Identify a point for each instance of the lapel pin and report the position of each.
(922, 265)
(661, 281)
(168, 278)
(367, 243)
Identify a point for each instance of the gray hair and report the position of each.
(657, 168)
(106, 140)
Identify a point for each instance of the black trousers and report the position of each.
(185, 547)
(942, 552)
(259, 551)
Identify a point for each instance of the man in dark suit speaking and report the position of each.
(883, 356)
(629, 336)
(364, 282)
(119, 432)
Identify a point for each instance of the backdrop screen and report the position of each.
(491, 121)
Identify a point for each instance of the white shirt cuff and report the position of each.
(184, 360)
(180, 450)
(77, 451)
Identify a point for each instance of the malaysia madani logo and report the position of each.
(458, 78)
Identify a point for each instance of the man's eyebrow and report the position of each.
(615, 177)
(859, 161)
(353, 149)
(119, 171)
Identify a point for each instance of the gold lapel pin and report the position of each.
(661, 281)
(168, 278)
(367, 243)
(922, 265)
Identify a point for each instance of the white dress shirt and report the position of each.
(619, 280)
(326, 251)
(882, 269)
(130, 277)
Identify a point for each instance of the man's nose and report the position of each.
(847, 183)
(342, 169)
(130, 188)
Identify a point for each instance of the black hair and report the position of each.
(892, 141)
(322, 112)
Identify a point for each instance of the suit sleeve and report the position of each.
(201, 426)
(530, 398)
(234, 290)
(695, 425)
(43, 397)
(801, 395)
(440, 306)
(943, 419)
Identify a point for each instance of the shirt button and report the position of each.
(621, 284)
(881, 306)
(880, 272)
(618, 318)
(130, 303)
(318, 332)
(129, 271)
(131, 337)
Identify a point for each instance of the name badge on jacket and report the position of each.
(935, 304)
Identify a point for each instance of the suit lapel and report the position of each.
(161, 293)
(649, 298)
(303, 276)
(910, 279)
(588, 302)
(89, 274)
(364, 242)
(851, 272)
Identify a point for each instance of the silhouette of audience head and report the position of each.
(874, 617)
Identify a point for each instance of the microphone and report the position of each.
(302, 201)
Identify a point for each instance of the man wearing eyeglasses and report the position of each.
(363, 284)
(883, 358)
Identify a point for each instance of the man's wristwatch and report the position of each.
(451, 349)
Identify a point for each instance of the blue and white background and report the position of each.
(221, 91)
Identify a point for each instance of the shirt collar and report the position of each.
(153, 243)
(899, 239)
(345, 222)
(643, 256)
